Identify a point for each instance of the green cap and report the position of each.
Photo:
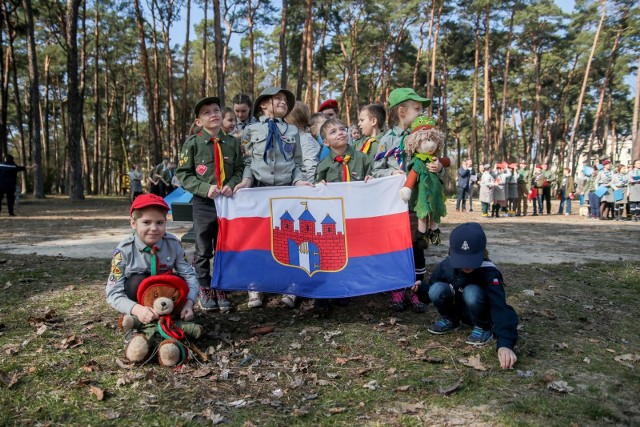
(205, 101)
(269, 92)
(404, 94)
(423, 122)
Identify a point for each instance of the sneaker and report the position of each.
(289, 300)
(434, 236)
(416, 305)
(397, 300)
(485, 215)
(207, 300)
(255, 299)
(223, 303)
(442, 326)
(479, 336)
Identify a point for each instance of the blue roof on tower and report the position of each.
(328, 220)
(286, 216)
(306, 216)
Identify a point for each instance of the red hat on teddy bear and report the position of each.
(176, 282)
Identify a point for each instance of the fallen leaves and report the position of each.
(97, 392)
(446, 391)
(71, 341)
(560, 387)
(201, 372)
(624, 359)
(473, 362)
(262, 330)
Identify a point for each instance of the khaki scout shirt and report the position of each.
(373, 149)
(330, 170)
(129, 258)
(386, 165)
(196, 169)
(277, 170)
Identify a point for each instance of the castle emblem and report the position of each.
(298, 240)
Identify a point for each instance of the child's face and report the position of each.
(636, 164)
(150, 225)
(242, 111)
(367, 123)
(330, 113)
(335, 137)
(355, 133)
(275, 107)
(229, 122)
(408, 112)
(210, 118)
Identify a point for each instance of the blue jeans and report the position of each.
(594, 205)
(564, 201)
(539, 201)
(469, 304)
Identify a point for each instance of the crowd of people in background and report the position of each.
(604, 191)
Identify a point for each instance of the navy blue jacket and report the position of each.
(464, 175)
(9, 176)
(503, 316)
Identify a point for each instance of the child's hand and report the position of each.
(245, 183)
(507, 358)
(416, 286)
(323, 182)
(144, 314)
(435, 166)
(398, 172)
(226, 191)
(367, 178)
(301, 183)
(187, 311)
(213, 191)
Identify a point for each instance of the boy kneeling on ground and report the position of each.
(467, 286)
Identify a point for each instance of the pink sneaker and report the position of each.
(397, 300)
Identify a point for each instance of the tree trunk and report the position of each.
(156, 81)
(308, 92)
(86, 174)
(96, 103)
(505, 84)
(252, 56)
(219, 45)
(166, 22)
(205, 35)
(473, 152)
(416, 66)
(635, 125)
(434, 54)
(585, 80)
(74, 103)
(316, 101)
(156, 149)
(34, 102)
(185, 116)
(4, 94)
(487, 80)
(301, 66)
(283, 45)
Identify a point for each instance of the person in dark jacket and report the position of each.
(466, 286)
(465, 174)
(8, 179)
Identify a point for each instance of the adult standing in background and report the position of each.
(242, 106)
(135, 182)
(523, 179)
(158, 173)
(464, 185)
(8, 180)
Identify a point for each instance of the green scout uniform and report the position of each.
(386, 165)
(330, 170)
(373, 147)
(196, 169)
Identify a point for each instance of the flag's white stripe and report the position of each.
(377, 197)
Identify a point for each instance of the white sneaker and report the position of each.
(289, 300)
(255, 299)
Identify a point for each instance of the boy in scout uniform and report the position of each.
(371, 120)
(273, 154)
(210, 166)
(344, 164)
(150, 250)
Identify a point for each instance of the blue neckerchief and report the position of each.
(274, 133)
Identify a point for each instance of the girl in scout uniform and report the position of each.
(620, 183)
(604, 179)
(273, 154)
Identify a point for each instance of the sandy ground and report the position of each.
(92, 228)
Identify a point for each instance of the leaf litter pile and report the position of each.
(61, 358)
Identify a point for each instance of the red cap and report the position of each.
(146, 200)
(329, 103)
(163, 280)
(605, 162)
(538, 167)
(513, 165)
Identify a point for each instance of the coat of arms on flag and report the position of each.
(309, 233)
(328, 241)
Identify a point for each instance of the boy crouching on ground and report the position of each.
(467, 286)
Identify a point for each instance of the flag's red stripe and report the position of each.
(365, 236)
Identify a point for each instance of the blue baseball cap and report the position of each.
(467, 244)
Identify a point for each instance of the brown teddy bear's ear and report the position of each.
(176, 300)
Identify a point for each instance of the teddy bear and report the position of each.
(165, 294)
(423, 145)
